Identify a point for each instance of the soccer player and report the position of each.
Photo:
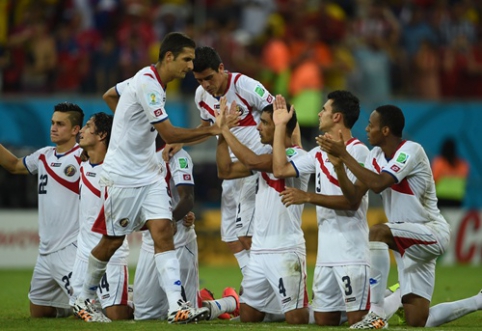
(250, 96)
(342, 266)
(274, 281)
(112, 291)
(416, 232)
(57, 169)
(133, 187)
(149, 298)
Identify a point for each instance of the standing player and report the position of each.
(238, 195)
(58, 201)
(274, 281)
(416, 232)
(135, 192)
(112, 291)
(149, 298)
(342, 265)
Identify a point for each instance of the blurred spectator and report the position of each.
(450, 173)
(106, 64)
(309, 59)
(426, 73)
(455, 68)
(457, 24)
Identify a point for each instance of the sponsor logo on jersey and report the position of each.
(402, 158)
(352, 299)
(55, 164)
(286, 300)
(290, 152)
(395, 168)
(183, 164)
(70, 170)
(124, 222)
(90, 174)
(269, 98)
(153, 98)
(186, 177)
(259, 91)
(158, 112)
(217, 106)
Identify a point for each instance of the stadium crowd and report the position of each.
(420, 48)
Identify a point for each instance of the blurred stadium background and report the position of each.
(423, 55)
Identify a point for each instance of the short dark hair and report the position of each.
(103, 124)
(76, 114)
(346, 103)
(206, 57)
(291, 125)
(175, 42)
(392, 117)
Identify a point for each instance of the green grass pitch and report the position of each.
(452, 283)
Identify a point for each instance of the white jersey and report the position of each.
(58, 196)
(90, 205)
(342, 234)
(412, 198)
(130, 160)
(179, 171)
(277, 228)
(250, 97)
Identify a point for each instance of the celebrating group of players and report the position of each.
(126, 184)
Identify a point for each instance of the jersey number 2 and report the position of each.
(42, 184)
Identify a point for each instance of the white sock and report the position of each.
(391, 303)
(243, 259)
(221, 306)
(95, 270)
(311, 315)
(343, 317)
(449, 311)
(379, 269)
(167, 266)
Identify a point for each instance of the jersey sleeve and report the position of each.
(305, 164)
(254, 92)
(152, 98)
(31, 161)
(198, 100)
(182, 168)
(120, 87)
(404, 161)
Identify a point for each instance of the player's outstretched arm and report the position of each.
(186, 202)
(11, 163)
(375, 182)
(111, 98)
(281, 116)
(174, 134)
(227, 169)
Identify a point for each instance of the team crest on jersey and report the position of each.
(259, 91)
(186, 177)
(153, 98)
(290, 152)
(70, 170)
(124, 222)
(183, 164)
(402, 158)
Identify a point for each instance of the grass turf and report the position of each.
(452, 283)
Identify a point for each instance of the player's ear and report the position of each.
(221, 67)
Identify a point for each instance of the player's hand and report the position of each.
(169, 151)
(293, 196)
(336, 148)
(189, 219)
(281, 115)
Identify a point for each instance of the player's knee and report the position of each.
(297, 316)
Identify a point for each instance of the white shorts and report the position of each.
(419, 246)
(126, 209)
(51, 280)
(112, 287)
(341, 288)
(150, 300)
(275, 283)
(236, 219)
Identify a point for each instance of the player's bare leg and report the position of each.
(297, 316)
(248, 314)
